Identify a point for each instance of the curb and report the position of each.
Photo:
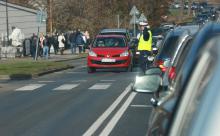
(31, 76)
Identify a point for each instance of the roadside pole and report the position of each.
(41, 17)
(38, 33)
(134, 13)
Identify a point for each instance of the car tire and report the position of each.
(90, 70)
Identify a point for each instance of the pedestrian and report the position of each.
(79, 41)
(44, 46)
(16, 38)
(144, 45)
(56, 43)
(72, 39)
(88, 40)
(61, 40)
(34, 41)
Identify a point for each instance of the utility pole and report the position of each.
(118, 20)
(50, 17)
(6, 6)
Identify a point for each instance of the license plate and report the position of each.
(137, 52)
(108, 60)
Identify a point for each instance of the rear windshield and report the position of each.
(109, 42)
(169, 47)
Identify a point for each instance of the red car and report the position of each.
(109, 51)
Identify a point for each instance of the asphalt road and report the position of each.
(74, 103)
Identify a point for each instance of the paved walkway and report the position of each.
(58, 57)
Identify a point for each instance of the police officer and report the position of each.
(144, 45)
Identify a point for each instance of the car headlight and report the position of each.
(92, 53)
(124, 54)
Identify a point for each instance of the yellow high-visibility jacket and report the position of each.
(145, 45)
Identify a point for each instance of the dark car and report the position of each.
(172, 42)
(165, 108)
(198, 112)
(116, 31)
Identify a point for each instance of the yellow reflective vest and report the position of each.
(145, 45)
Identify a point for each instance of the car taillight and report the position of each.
(160, 64)
(172, 73)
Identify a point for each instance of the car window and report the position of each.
(178, 61)
(169, 46)
(109, 42)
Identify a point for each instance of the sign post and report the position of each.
(41, 17)
(134, 13)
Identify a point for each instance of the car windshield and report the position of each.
(109, 42)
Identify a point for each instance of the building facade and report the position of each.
(20, 17)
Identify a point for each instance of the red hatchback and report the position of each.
(109, 51)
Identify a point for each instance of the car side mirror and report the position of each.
(147, 83)
(153, 71)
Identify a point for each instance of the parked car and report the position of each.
(165, 108)
(116, 31)
(110, 51)
(198, 110)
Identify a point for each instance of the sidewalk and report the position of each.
(58, 57)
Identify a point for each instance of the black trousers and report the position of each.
(143, 60)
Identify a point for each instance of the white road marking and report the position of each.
(105, 115)
(110, 126)
(66, 87)
(80, 81)
(46, 81)
(30, 87)
(100, 86)
(141, 106)
(107, 80)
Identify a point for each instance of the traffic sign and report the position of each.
(134, 20)
(142, 18)
(134, 11)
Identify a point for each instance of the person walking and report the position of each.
(34, 41)
(79, 41)
(16, 38)
(61, 40)
(144, 45)
(44, 46)
(72, 39)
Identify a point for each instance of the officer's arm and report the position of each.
(146, 34)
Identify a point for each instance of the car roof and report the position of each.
(116, 30)
(110, 35)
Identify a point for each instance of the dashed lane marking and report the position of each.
(66, 87)
(46, 81)
(30, 87)
(80, 81)
(141, 106)
(100, 86)
(107, 80)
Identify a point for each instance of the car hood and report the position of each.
(109, 51)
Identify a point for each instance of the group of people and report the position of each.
(42, 45)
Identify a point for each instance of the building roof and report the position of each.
(18, 7)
